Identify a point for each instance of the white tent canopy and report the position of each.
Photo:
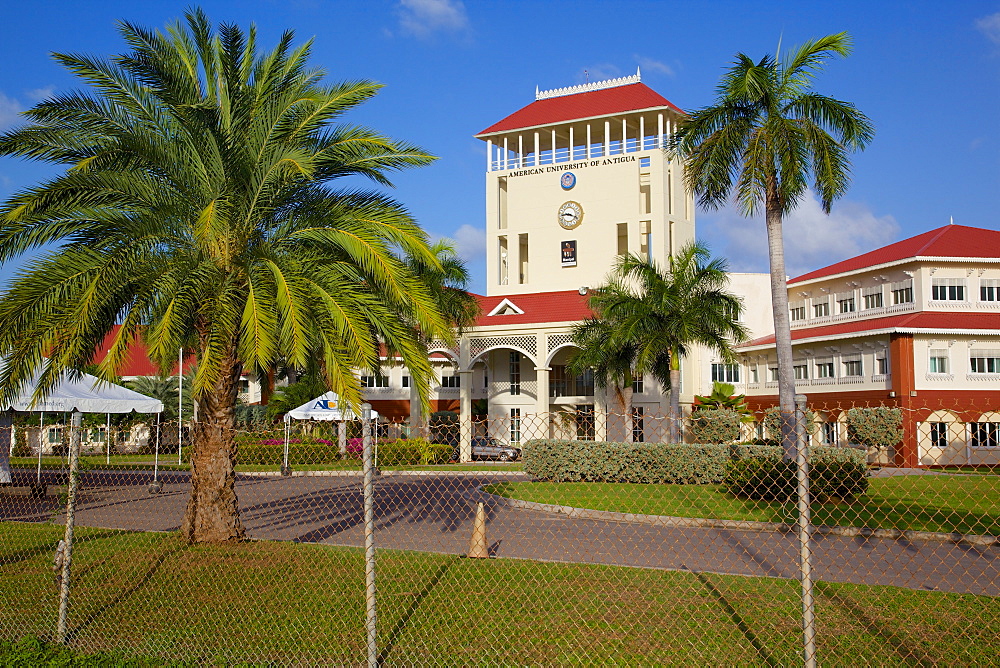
(79, 392)
(324, 407)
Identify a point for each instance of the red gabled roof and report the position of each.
(605, 102)
(137, 362)
(948, 241)
(562, 306)
(935, 320)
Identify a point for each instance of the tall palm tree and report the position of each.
(771, 132)
(647, 317)
(197, 206)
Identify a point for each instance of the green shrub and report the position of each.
(413, 451)
(714, 425)
(437, 453)
(876, 427)
(21, 447)
(600, 461)
(772, 423)
(769, 479)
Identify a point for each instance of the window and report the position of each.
(406, 381)
(852, 368)
(98, 435)
(515, 372)
(948, 289)
(584, 384)
(638, 433)
(798, 313)
(515, 425)
(585, 426)
(557, 381)
(830, 433)
(522, 258)
(821, 310)
(985, 434)
(451, 381)
(637, 386)
(502, 260)
(939, 434)
(772, 373)
(845, 304)
(824, 369)
(643, 162)
(622, 238)
(55, 435)
(726, 373)
(989, 290)
(882, 366)
(244, 385)
(873, 298)
(374, 381)
(902, 292)
(801, 371)
(754, 376)
(984, 361)
(938, 361)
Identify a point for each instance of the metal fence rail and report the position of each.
(578, 537)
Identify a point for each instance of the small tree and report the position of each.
(877, 427)
(715, 425)
(772, 423)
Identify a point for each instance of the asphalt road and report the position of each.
(435, 513)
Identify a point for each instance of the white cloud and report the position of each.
(990, 26)
(9, 110)
(812, 239)
(651, 65)
(40, 94)
(425, 17)
(470, 243)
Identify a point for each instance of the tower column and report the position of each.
(506, 153)
(659, 130)
(554, 159)
(589, 143)
(464, 402)
(607, 138)
(538, 153)
(571, 143)
(642, 133)
(520, 150)
(489, 155)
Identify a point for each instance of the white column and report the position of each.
(541, 423)
(520, 150)
(538, 152)
(503, 163)
(489, 155)
(464, 402)
(624, 135)
(553, 146)
(571, 143)
(659, 130)
(588, 142)
(642, 133)
(607, 138)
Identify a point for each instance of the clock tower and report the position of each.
(578, 178)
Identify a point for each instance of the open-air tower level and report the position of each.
(576, 179)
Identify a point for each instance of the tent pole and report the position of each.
(107, 440)
(155, 486)
(285, 469)
(41, 421)
(180, 402)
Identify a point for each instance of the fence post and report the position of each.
(805, 533)
(371, 617)
(67, 547)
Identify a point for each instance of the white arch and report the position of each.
(472, 362)
(552, 354)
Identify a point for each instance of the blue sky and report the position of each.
(928, 75)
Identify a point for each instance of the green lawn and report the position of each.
(149, 594)
(966, 503)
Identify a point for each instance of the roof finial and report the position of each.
(952, 220)
(638, 74)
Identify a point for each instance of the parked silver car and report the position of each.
(486, 447)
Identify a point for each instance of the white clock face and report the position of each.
(570, 215)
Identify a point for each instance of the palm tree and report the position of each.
(770, 132)
(196, 209)
(647, 317)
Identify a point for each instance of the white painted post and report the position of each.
(554, 160)
(368, 463)
(538, 154)
(642, 133)
(571, 152)
(520, 150)
(506, 152)
(180, 403)
(589, 151)
(607, 139)
(489, 155)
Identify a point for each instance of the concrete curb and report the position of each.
(741, 525)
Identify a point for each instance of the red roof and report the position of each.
(604, 102)
(948, 241)
(934, 320)
(562, 306)
(137, 362)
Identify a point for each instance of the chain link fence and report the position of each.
(527, 539)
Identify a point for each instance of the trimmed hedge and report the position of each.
(714, 425)
(411, 452)
(601, 461)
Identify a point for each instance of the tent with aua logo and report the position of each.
(327, 408)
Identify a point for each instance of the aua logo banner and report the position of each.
(325, 405)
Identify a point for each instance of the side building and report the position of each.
(913, 325)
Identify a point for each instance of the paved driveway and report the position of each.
(434, 513)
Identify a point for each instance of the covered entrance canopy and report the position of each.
(77, 392)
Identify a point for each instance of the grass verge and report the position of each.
(148, 594)
(964, 504)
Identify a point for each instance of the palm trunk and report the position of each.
(782, 328)
(675, 398)
(212, 514)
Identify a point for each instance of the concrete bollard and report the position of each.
(478, 548)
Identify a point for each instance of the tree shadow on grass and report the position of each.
(32, 552)
(400, 626)
(900, 644)
(125, 594)
(741, 624)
